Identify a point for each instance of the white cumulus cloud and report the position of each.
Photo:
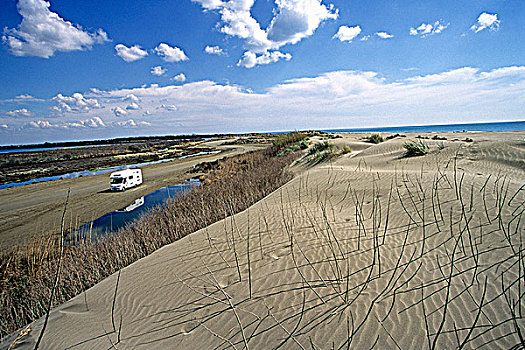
(384, 35)
(43, 124)
(158, 70)
(118, 112)
(292, 21)
(131, 98)
(251, 59)
(169, 108)
(425, 29)
(213, 50)
(132, 106)
(22, 112)
(94, 122)
(75, 103)
(43, 32)
(130, 54)
(170, 54)
(297, 19)
(130, 123)
(346, 33)
(25, 97)
(486, 20)
(179, 78)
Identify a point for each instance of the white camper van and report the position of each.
(125, 179)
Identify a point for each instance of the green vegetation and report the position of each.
(374, 138)
(345, 150)
(284, 140)
(320, 147)
(390, 137)
(414, 149)
(301, 145)
(321, 152)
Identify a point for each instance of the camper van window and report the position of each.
(117, 180)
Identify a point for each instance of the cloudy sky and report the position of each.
(90, 69)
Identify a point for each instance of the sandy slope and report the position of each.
(33, 210)
(372, 250)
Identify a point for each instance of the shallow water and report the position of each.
(117, 219)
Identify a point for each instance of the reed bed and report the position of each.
(28, 275)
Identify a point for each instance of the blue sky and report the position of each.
(98, 69)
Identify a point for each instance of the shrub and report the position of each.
(374, 138)
(283, 140)
(320, 147)
(414, 149)
(321, 152)
(346, 150)
(394, 136)
(303, 145)
(322, 156)
(437, 137)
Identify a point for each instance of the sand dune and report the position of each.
(371, 250)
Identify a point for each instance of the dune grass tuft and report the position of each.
(374, 138)
(415, 149)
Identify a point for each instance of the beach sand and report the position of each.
(372, 250)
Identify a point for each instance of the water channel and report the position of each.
(115, 220)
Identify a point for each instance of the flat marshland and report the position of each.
(365, 247)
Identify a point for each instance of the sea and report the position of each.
(471, 127)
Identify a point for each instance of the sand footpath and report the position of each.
(372, 250)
